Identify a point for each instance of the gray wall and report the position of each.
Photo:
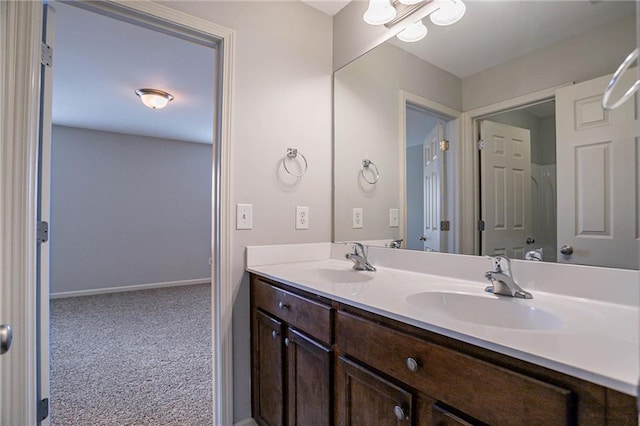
(127, 210)
(281, 98)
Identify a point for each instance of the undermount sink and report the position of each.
(493, 311)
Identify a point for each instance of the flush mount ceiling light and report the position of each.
(392, 12)
(449, 13)
(379, 12)
(154, 98)
(414, 32)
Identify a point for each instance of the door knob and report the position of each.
(422, 238)
(401, 413)
(6, 336)
(530, 240)
(566, 250)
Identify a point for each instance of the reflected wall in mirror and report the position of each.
(468, 76)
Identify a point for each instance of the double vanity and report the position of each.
(420, 341)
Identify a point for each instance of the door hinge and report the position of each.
(42, 232)
(480, 144)
(43, 409)
(46, 55)
(444, 145)
(445, 225)
(481, 225)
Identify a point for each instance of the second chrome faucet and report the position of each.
(359, 258)
(502, 281)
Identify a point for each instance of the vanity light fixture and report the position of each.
(392, 12)
(414, 32)
(379, 12)
(449, 13)
(154, 98)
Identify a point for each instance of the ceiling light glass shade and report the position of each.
(379, 12)
(154, 98)
(410, 2)
(414, 32)
(449, 13)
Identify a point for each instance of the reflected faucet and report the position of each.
(502, 281)
(396, 243)
(359, 258)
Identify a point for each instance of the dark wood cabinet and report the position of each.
(316, 362)
(292, 360)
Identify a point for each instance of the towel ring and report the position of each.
(293, 153)
(614, 80)
(369, 165)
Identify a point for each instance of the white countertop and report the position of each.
(597, 341)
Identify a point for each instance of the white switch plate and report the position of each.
(393, 218)
(244, 216)
(358, 221)
(302, 217)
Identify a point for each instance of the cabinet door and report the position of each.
(364, 398)
(443, 416)
(268, 377)
(308, 380)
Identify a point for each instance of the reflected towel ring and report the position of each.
(369, 165)
(291, 154)
(614, 80)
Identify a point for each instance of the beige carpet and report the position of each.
(133, 358)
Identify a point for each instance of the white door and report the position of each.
(433, 169)
(505, 185)
(597, 158)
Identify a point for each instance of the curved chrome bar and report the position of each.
(369, 165)
(614, 80)
(291, 154)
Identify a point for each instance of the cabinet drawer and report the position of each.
(307, 315)
(487, 392)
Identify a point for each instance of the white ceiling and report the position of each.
(495, 32)
(99, 62)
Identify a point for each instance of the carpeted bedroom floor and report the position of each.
(133, 358)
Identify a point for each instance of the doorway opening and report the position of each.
(130, 218)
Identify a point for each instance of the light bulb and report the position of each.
(449, 13)
(414, 32)
(379, 12)
(154, 98)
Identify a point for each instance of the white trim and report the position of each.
(470, 157)
(437, 108)
(20, 28)
(124, 288)
(20, 34)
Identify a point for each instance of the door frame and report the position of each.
(446, 113)
(471, 159)
(19, 103)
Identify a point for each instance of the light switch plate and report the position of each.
(244, 216)
(393, 218)
(302, 217)
(358, 220)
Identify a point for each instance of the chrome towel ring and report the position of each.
(369, 165)
(614, 80)
(293, 153)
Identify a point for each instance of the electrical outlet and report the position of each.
(393, 218)
(358, 220)
(302, 217)
(244, 216)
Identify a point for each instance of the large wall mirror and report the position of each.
(488, 137)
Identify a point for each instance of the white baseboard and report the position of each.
(135, 287)
(246, 422)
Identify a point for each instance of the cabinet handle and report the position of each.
(412, 364)
(401, 413)
(274, 334)
(287, 341)
(282, 306)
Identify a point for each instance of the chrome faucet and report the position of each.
(502, 281)
(359, 258)
(396, 244)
